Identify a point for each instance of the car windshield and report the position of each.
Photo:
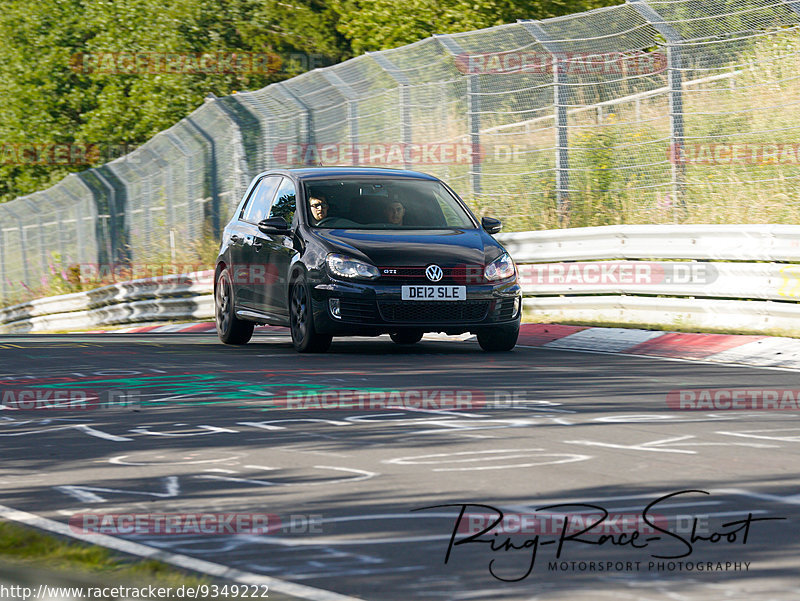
(392, 204)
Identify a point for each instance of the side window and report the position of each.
(248, 202)
(284, 205)
(258, 204)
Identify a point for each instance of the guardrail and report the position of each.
(699, 242)
(707, 277)
(718, 277)
(167, 298)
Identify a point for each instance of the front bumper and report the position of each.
(376, 308)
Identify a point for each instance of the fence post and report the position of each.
(111, 236)
(306, 125)
(405, 100)
(241, 170)
(121, 227)
(560, 104)
(264, 117)
(473, 110)
(675, 83)
(90, 213)
(214, 211)
(350, 95)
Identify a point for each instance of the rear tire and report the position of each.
(406, 337)
(304, 337)
(230, 329)
(499, 339)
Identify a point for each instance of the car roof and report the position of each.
(317, 172)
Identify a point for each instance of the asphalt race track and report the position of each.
(194, 427)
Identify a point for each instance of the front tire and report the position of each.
(304, 337)
(499, 339)
(230, 329)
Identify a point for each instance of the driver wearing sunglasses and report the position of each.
(319, 207)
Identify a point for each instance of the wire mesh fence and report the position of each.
(663, 111)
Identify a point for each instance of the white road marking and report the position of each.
(85, 494)
(208, 430)
(80, 427)
(785, 499)
(475, 456)
(660, 446)
(654, 446)
(122, 460)
(662, 418)
(100, 434)
(267, 425)
(362, 475)
(761, 434)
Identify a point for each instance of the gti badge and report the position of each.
(434, 273)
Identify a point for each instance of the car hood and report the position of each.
(414, 247)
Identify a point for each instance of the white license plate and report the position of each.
(434, 293)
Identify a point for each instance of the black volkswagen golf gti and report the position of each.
(347, 251)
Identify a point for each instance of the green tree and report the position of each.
(51, 95)
(48, 97)
(381, 24)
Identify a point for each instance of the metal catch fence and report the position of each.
(657, 111)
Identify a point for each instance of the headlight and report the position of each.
(502, 268)
(343, 266)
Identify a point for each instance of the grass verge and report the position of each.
(28, 547)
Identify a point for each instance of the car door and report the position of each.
(249, 272)
(236, 232)
(275, 252)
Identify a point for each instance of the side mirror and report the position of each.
(491, 225)
(276, 225)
